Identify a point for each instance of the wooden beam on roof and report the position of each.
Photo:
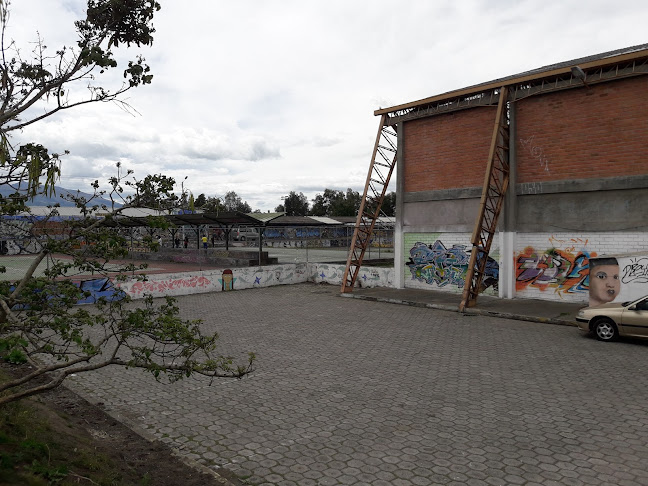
(516, 80)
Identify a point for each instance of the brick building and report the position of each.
(577, 187)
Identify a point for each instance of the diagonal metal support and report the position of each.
(383, 161)
(495, 184)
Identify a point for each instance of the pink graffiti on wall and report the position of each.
(163, 286)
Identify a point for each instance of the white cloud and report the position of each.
(267, 97)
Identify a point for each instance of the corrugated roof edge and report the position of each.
(602, 59)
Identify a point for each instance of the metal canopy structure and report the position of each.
(225, 220)
(192, 219)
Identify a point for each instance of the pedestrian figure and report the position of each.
(204, 240)
(186, 241)
(177, 242)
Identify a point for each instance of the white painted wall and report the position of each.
(175, 284)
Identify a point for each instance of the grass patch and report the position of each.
(36, 450)
(60, 439)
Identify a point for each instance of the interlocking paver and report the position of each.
(355, 392)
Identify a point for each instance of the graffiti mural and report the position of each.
(446, 267)
(23, 246)
(164, 286)
(618, 279)
(93, 289)
(333, 274)
(227, 281)
(604, 281)
(562, 270)
(635, 271)
(536, 151)
(99, 288)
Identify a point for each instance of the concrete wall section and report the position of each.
(451, 216)
(614, 210)
(367, 277)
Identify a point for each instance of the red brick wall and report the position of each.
(447, 151)
(601, 131)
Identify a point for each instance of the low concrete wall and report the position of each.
(175, 284)
(368, 276)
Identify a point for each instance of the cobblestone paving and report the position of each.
(350, 392)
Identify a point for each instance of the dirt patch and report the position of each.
(91, 447)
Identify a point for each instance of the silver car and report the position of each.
(245, 233)
(609, 321)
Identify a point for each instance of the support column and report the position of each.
(509, 221)
(399, 258)
(506, 265)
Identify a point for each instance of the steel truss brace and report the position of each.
(485, 98)
(495, 184)
(383, 161)
(520, 90)
(568, 80)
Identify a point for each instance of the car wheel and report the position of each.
(605, 329)
(242, 238)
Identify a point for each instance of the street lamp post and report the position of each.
(284, 199)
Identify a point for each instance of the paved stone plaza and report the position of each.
(354, 392)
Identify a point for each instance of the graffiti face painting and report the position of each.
(227, 280)
(604, 281)
(605, 284)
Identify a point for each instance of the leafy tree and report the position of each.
(212, 205)
(389, 204)
(200, 201)
(40, 325)
(57, 77)
(295, 204)
(336, 203)
(233, 202)
(348, 205)
(155, 192)
(323, 203)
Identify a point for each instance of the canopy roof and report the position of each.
(196, 219)
(141, 217)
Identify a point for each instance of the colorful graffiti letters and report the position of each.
(557, 269)
(437, 265)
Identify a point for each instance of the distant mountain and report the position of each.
(42, 200)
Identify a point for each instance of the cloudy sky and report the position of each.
(264, 97)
